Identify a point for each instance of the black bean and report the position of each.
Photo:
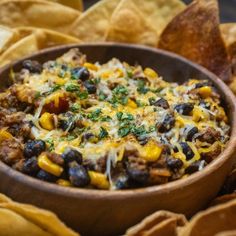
(78, 176)
(70, 155)
(161, 103)
(174, 163)
(122, 183)
(80, 73)
(30, 166)
(88, 136)
(138, 175)
(202, 84)
(33, 66)
(45, 176)
(142, 139)
(191, 133)
(166, 124)
(188, 152)
(184, 108)
(90, 86)
(67, 121)
(34, 148)
(195, 166)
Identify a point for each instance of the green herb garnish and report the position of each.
(103, 133)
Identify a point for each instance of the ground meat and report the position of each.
(209, 156)
(210, 135)
(23, 93)
(159, 175)
(11, 151)
(55, 158)
(9, 101)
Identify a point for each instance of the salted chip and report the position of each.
(23, 47)
(129, 25)
(195, 34)
(42, 219)
(160, 12)
(92, 25)
(7, 37)
(212, 221)
(32, 40)
(37, 13)
(228, 31)
(227, 233)
(160, 223)
(4, 198)
(12, 224)
(76, 4)
(51, 37)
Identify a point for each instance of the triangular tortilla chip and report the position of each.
(129, 25)
(76, 4)
(23, 47)
(37, 13)
(195, 34)
(44, 219)
(92, 25)
(12, 224)
(7, 37)
(212, 221)
(159, 223)
(160, 12)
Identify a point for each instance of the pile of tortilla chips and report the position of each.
(22, 219)
(218, 220)
(193, 30)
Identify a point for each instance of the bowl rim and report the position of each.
(129, 193)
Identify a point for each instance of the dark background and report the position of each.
(227, 9)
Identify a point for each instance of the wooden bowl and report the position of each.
(99, 212)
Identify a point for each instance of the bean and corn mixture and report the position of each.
(110, 126)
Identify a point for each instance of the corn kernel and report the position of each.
(199, 114)
(119, 72)
(55, 97)
(90, 66)
(150, 73)
(205, 91)
(151, 151)
(99, 180)
(47, 165)
(64, 182)
(4, 134)
(60, 81)
(106, 74)
(46, 121)
(131, 104)
(121, 154)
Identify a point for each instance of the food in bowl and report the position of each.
(108, 126)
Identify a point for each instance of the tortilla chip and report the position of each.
(228, 31)
(92, 25)
(195, 34)
(7, 37)
(212, 221)
(160, 12)
(129, 25)
(76, 4)
(160, 223)
(45, 220)
(223, 199)
(52, 38)
(227, 233)
(23, 47)
(4, 198)
(32, 40)
(37, 13)
(13, 224)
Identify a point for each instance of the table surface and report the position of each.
(227, 9)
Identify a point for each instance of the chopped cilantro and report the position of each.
(138, 131)
(70, 137)
(140, 103)
(141, 88)
(129, 73)
(94, 116)
(50, 144)
(124, 116)
(123, 131)
(120, 90)
(72, 87)
(101, 96)
(106, 118)
(152, 101)
(75, 107)
(82, 94)
(103, 133)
